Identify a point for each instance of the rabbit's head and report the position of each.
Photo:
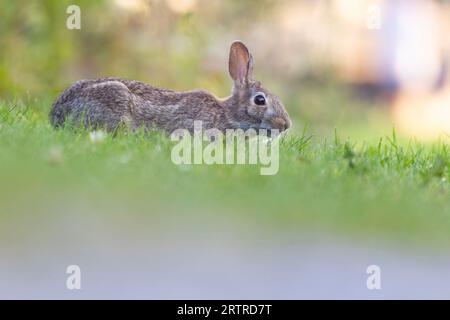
(252, 105)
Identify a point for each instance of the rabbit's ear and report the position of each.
(240, 63)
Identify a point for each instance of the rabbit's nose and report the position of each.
(288, 124)
(280, 124)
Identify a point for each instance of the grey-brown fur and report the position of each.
(110, 103)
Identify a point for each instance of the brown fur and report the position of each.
(109, 103)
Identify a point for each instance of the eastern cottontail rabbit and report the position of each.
(108, 103)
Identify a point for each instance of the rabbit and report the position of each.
(110, 103)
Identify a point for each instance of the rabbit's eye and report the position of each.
(260, 100)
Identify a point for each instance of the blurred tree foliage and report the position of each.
(157, 41)
(37, 50)
(178, 44)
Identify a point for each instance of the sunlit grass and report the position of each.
(385, 189)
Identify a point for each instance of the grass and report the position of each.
(388, 189)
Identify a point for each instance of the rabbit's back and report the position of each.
(109, 102)
(105, 102)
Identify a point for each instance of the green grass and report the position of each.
(388, 189)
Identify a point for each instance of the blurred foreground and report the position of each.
(136, 257)
(140, 226)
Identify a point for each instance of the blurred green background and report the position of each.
(181, 45)
(363, 66)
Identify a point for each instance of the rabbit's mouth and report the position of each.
(273, 133)
(275, 124)
(268, 131)
(263, 129)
